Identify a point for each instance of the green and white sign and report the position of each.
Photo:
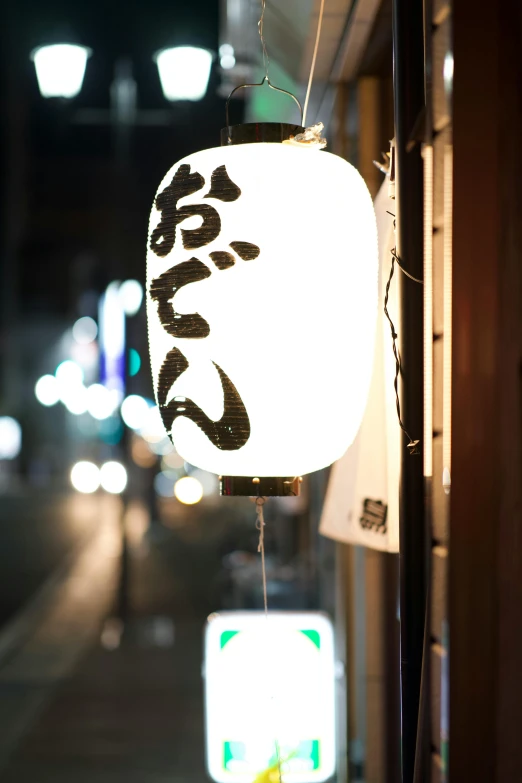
(270, 697)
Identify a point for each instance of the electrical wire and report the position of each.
(314, 58)
(413, 445)
(260, 25)
(260, 525)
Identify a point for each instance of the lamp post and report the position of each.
(184, 75)
(184, 72)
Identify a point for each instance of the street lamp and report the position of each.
(60, 69)
(184, 72)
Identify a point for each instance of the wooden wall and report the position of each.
(485, 555)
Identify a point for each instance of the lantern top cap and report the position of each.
(255, 132)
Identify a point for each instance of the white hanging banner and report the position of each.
(362, 499)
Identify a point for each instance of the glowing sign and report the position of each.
(270, 696)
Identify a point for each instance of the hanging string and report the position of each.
(260, 25)
(413, 445)
(260, 525)
(314, 58)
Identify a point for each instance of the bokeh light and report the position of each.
(69, 374)
(10, 438)
(152, 428)
(141, 454)
(134, 362)
(131, 296)
(188, 490)
(100, 402)
(111, 633)
(172, 460)
(208, 481)
(85, 330)
(85, 477)
(113, 477)
(110, 430)
(161, 447)
(47, 391)
(134, 410)
(164, 483)
(75, 400)
(227, 61)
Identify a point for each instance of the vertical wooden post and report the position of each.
(485, 569)
(408, 51)
(369, 136)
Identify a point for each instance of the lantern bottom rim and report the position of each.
(260, 486)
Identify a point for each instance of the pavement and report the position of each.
(100, 672)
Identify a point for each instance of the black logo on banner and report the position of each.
(232, 431)
(374, 516)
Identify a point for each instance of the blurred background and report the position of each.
(113, 551)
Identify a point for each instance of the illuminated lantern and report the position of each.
(262, 298)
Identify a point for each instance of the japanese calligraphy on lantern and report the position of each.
(250, 296)
(232, 430)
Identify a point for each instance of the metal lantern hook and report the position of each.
(260, 84)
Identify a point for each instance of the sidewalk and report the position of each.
(87, 699)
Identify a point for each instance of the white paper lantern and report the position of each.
(262, 296)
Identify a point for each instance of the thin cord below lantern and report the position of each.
(314, 58)
(260, 525)
(413, 445)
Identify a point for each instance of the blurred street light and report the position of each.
(101, 403)
(153, 429)
(113, 477)
(75, 400)
(173, 460)
(141, 454)
(134, 410)
(184, 72)
(85, 330)
(227, 57)
(60, 69)
(69, 376)
(72, 392)
(188, 490)
(47, 391)
(10, 438)
(85, 477)
(131, 296)
(164, 483)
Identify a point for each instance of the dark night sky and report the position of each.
(71, 220)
